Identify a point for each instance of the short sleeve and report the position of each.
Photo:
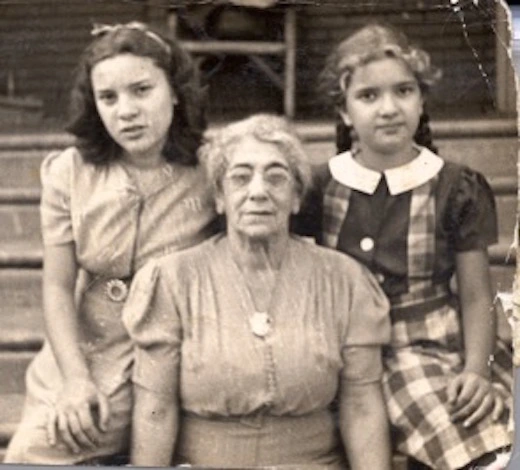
(367, 331)
(473, 218)
(55, 210)
(151, 319)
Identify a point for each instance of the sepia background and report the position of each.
(253, 59)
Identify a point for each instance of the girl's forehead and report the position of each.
(125, 68)
(382, 70)
(126, 60)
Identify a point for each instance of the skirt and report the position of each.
(108, 351)
(29, 444)
(305, 442)
(426, 353)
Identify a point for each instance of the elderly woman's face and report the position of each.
(258, 190)
(135, 102)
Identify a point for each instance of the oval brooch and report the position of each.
(260, 323)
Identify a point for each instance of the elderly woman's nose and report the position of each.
(257, 185)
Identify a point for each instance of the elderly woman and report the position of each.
(243, 342)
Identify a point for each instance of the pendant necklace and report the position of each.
(260, 322)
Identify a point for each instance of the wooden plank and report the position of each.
(290, 62)
(10, 414)
(234, 47)
(20, 254)
(13, 365)
(20, 195)
(34, 140)
(20, 222)
(21, 317)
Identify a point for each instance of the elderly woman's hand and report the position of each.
(80, 415)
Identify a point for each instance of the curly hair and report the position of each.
(218, 145)
(369, 43)
(189, 121)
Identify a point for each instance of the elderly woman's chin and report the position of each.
(261, 227)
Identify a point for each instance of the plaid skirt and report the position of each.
(426, 353)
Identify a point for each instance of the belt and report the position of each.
(116, 289)
(421, 301)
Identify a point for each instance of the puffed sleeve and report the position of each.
(368, 329)
(473, 217)
(151, 318)
(55, 212)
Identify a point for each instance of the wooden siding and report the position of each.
(41, 40)
(468, 83)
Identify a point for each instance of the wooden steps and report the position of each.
(10, 413)
(21, 320)
(494, 153)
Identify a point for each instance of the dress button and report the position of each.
(380, 278)
(367, 244)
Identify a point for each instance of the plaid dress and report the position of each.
(407, 225)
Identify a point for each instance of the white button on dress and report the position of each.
(367, 244)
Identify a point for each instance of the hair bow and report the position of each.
(99, 29)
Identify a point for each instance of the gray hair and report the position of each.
(218, 145)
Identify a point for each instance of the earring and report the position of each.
(219, 207)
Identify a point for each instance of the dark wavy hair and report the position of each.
(372, 42)
(189, 121)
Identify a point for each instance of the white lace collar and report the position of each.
(421, 169)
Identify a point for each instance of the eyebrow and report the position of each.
(142, 81)
(249, 166)
(376, 87)
(408, 82)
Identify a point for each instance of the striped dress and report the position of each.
(407, 225)
(115, 229)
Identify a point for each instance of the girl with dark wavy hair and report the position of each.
(189, 120)
(417, 220)
(129, 190)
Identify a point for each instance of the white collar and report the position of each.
(411, 175)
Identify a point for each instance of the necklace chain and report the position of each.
(260, 321)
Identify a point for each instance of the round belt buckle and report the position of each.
(116, 290)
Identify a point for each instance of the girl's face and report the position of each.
(135, 102)
(383, 104)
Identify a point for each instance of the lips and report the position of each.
(258, 213)
(390, 127)
(132, 130)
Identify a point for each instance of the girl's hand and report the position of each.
(471, 398)
(80, 416)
